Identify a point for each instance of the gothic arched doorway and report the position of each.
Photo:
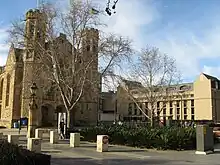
(59, 109)
(47, 115)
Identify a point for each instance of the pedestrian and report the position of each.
(62, 126)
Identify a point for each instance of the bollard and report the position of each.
(34, 144)
(54, 138)
(102, 143)
(14, 139)
(204, 140)
(38, 133)
(74, 139)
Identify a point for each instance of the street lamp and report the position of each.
(33, 115)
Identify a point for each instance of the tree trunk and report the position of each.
(152, 120)
(71, 118)
(68, 120)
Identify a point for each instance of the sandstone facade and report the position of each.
(22, 69)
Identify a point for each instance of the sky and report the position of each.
(187, 30)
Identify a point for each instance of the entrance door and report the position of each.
(45, 116)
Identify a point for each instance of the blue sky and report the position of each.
(188, 30)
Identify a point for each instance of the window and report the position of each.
(192, 111)
(158, 104)
(192, 103)
(164, 111)
(1, 89)
(130, 109)
(185, 103)
(146, 108)
(82, 108)
(7, 90)
(140, 105)
(171, 104)
(88, 47)
(171, 111)
(213, 84)
(185, 117)
(178, 110)
(94, 48)
(178, 103)
(185, 110)
(31, 28)
(192, 117)
(135, 109)
(178, 117)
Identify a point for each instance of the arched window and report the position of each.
(1, 88)
(7, 90)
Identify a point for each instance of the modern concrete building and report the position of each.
(108, 107)
(197, 101)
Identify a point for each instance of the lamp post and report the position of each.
(33, 115)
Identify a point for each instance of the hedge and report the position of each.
(15, 155)
(174, 138)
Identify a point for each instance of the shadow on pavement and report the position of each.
(126, 150)
(50, 152)
(88, 161)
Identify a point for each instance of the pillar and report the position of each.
(74, 139)
(102, 143)
(13, 139)
(204, 139)
(39, 133)
(34, 144)
(33, 119)
(54, 138)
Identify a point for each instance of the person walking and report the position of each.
(62, 126)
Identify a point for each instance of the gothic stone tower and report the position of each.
(34, 40)
(88, 110)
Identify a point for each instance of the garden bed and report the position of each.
(173, 138)
(15, 155)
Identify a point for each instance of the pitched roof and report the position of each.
(210, 77)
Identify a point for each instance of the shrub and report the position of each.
(14, 155)
(175, 138)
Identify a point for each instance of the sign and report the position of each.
(36, 142)
(105, 140)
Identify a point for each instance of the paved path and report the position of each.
(86, 154)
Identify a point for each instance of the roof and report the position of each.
(210, 77)
(132, 83)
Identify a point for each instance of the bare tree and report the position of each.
(68, 60)
(156, 72)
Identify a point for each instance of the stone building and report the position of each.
(22, 69)
(196, 101)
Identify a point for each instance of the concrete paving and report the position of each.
(86, 154)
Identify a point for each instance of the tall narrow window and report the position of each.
(7, 90)
(1, 89)
(130, 109)
(192, 103)
(140, 112)
(135, 109)
(146, 108)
